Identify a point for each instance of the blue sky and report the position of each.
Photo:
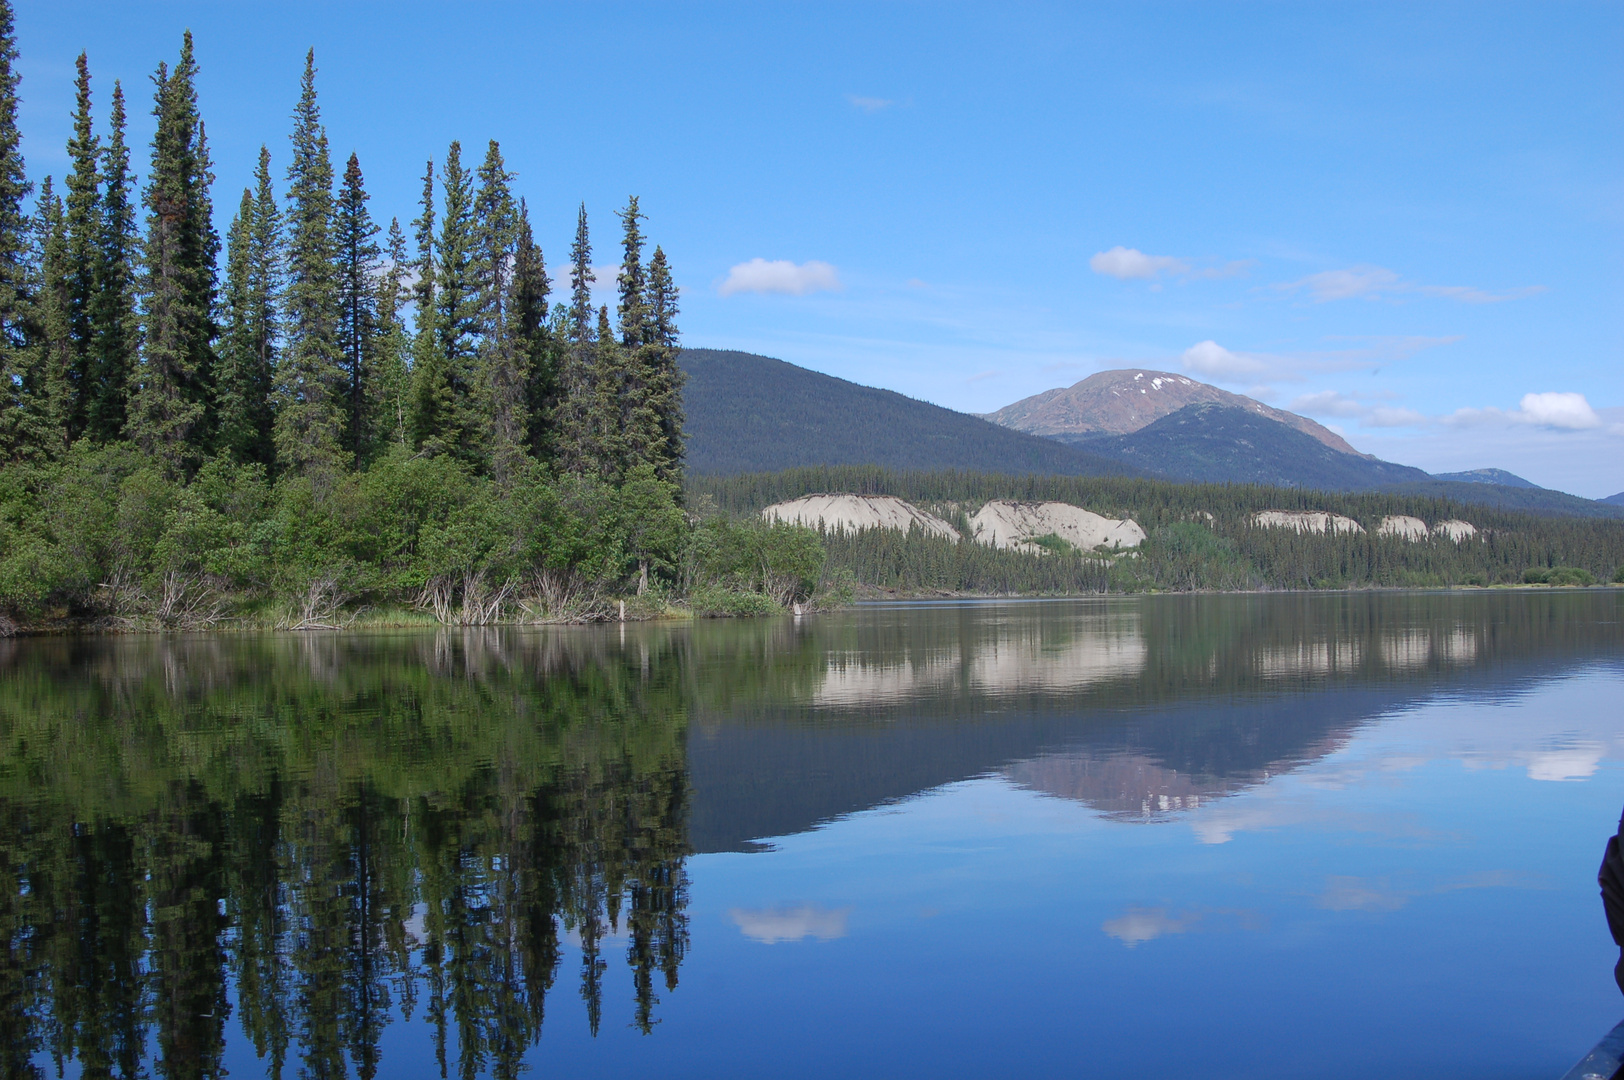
(1404, 220)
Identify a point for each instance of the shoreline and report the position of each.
(408, 618)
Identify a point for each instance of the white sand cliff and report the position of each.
(1007, 524)
(1405, 528)
(853, 512)
(1306, 521)
(1455, 529)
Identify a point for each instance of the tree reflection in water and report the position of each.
(329, 835)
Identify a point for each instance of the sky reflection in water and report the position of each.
(1258, 836)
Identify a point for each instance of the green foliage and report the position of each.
(1558, 575)
(169, 414)
(779, 561)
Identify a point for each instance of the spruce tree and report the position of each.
(662, 376)
(169, 413)
(503, 368)
(496, 225)
(115, 316)
(643, 438)
(50, 378)
(391, 388)
(431, 393)
(581, 280)
(245, 383)
(457, 316)
(309, 420)
(575, 432)
(610, 445)
(632, 281)
(532, 339)
(358, 315)
(19, 435)
(82, 272)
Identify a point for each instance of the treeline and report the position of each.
(302, 361)
(317, 414)
(1186, 550)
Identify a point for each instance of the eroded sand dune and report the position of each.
(1007, 524)
(1306, 521)
(853, 512)
(1455, 529)
(1405, 528)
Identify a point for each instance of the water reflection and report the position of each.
(300, 841)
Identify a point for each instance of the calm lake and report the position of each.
(1344, 835)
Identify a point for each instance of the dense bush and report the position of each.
(105, 536)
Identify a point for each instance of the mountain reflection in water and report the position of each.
(301, 840)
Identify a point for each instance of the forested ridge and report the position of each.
(318, 413)
(1199, 536)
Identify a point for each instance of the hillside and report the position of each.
(1123, 402)
(1215, 444)
(1486, 476)
(1615, 500)
(748, 413)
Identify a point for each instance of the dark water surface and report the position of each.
(1252, 836)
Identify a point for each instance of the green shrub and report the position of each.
(713, 602)
(1618, 576)
(1570, 575)
(1536, 575)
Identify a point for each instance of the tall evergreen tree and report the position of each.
(581, 280)
(662, 376)
(115, 315)
(458, 318)
(247, 356)
(358, 315)
(632, 281)
(496, 230)
(533, 342)
(309, 419)
(431, 392)
(643, 437)
(51, 378)
(610, 444)
(575, 430)
(19, 434)
(169, 412)
(82, 272)
(503, 368)
(391, 389)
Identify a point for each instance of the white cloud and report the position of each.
(1211, 358)
(773, 925)
(1559, 410)
(870, 104)
(1125, 263)
(781, 276)
(1375, 282)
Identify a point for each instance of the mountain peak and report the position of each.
(1124, 401)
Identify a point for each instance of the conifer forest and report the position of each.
(319, 410)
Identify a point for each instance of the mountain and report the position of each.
(1209, 442)
(748, 413)
(1486, 476)
(1123, 402)
(1615, 500)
